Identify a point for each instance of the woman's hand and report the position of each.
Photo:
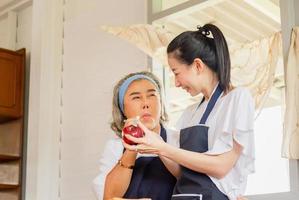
(150, 143)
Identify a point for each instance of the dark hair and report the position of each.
(209, 45)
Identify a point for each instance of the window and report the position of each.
(272, 172)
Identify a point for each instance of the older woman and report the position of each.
(125, 173)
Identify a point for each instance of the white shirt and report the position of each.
(113, 152)
(231, 118)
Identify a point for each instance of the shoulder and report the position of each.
(238, 109)
(192, 107)
(186, 116)
(240, 91)
(240, 96)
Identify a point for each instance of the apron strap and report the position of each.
(163, 133)
(217, 93)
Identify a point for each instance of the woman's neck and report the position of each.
(212, 83)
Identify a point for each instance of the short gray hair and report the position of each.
(117, 123)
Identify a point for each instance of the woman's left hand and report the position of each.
(150, 143)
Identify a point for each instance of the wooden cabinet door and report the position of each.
(11, 135)
(12, 67)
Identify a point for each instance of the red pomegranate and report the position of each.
(134, 131)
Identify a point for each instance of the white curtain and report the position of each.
(150, 39)
(254, 65)
(290, 146)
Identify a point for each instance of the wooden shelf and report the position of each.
(10, 139)
(5, 119)
(9, 173)
(8, 186)
(12, 193)
(4, 158)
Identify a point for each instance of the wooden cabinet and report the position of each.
(12, 79)
(11, 84)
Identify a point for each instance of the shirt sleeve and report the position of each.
(112, 152)
(236, 122)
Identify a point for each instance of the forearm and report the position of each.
(118, 180)
(214, 165)
(172, 166)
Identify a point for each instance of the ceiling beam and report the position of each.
(231, 25)
(182, 9)
(256, 15)
(237, 23)
(267, 7)
(226, 29)
(245, 15)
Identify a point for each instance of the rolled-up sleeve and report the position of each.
(112, 152)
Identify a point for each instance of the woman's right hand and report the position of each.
(150, 143)
(129, 122)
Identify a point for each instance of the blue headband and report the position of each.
(124, 87)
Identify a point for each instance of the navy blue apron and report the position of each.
(150, 178)
(194, 185)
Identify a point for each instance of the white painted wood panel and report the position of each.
(3, 32)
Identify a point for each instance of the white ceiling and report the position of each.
(240, 20)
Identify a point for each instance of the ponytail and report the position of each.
(222, 55)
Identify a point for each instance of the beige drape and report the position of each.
(290, 146)
(253, 64)
(150, 39)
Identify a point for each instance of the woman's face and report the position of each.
(143, 99)
(186, 76)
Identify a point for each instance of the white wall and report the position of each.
(24, 25)
(22, 30)
(3, 32)
(92, 63)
